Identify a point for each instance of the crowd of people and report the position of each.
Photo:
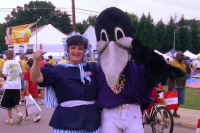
(195, 66)
(16, 84)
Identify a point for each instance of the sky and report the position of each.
(159, 9)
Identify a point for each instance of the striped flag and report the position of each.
(198, 127)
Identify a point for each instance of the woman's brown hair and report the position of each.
(77, 40)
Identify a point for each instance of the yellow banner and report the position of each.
(17, 35)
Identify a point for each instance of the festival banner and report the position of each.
(18, 34)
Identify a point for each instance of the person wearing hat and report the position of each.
(74, 88)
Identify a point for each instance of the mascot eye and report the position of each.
(104, 35)
(119, 33)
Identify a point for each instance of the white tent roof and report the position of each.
(91, 36)
(189, 54)
(49, 37)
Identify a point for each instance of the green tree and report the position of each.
(146, 32)
(169, 38)
(184, 36)
(195, 38)
(2, 38)
(92, 20)
(142, 30)
(82, 26)
(151, 34)
(134, 21)
(161, 33)
(42, 12)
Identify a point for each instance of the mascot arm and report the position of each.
(156, 67)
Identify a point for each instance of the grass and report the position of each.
(192, 98)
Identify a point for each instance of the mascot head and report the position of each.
(114, 33)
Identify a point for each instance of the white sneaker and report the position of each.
(9, 121)
(19, 117)
(25, 118)
(37, 119)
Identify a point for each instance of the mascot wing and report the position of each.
(157, 68)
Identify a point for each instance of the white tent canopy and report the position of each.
(50, 38)
(91, 36)
(189, 54)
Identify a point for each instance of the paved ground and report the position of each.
(27, 126)
(187, 122)
(189, 118)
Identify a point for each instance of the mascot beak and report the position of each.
(113, 61)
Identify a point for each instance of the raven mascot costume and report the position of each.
(127, 72)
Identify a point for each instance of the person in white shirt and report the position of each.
(12, 71)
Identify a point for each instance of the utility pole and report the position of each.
(73, 16)
(174, 39)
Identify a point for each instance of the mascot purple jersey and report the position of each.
(128, 70)
(126, 90)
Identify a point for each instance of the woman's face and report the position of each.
(76, 54)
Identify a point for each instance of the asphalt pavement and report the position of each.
(189, 119)
(27, 126)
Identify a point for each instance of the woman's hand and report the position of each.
(36, 75)
(38, 54)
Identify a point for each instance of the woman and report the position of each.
(75, 87)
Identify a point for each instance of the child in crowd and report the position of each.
(12, 71)
(30, 88)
